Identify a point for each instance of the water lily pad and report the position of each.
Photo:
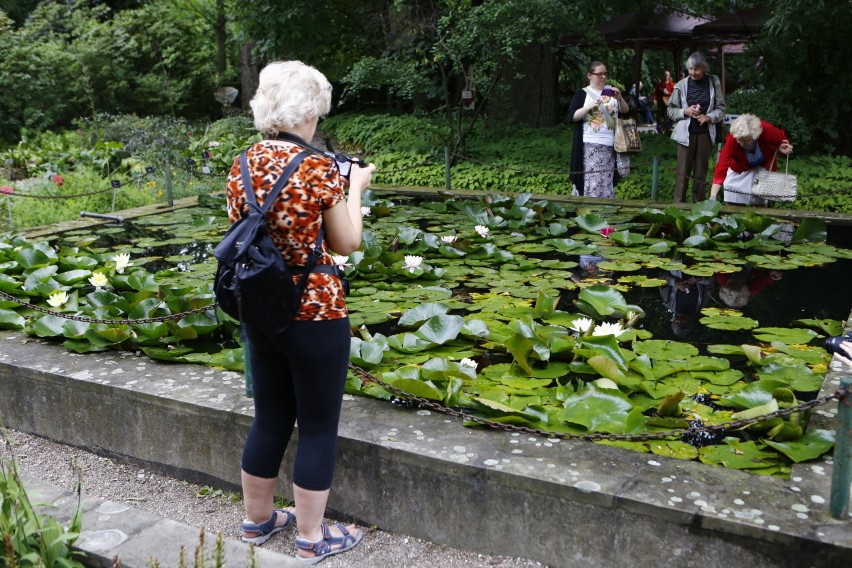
(785, 335)
(736, 454)
(810, 446)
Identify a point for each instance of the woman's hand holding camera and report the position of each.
(361, 176)
(847, 358)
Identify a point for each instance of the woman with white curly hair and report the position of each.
(298, 374)
(751, 143)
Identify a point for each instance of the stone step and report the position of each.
(114, 530)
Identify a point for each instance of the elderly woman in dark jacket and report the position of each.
(696, 107)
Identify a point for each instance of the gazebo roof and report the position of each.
(733, 28)
(653, 29)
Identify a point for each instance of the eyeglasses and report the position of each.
(602, 74)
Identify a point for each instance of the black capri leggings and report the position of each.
(297, 376)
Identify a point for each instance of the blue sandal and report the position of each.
(322, 548)
(267, 529)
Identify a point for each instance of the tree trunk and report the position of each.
(248, 74)
(530, 93)
(221, 38)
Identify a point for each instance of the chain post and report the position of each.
(841, 476)
(169, 183)
(655, 171)
(447, 167)
(9, 207)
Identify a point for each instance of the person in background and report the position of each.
(662, 94)
(298, 374)
(593, 110)
(642, 108)
(751, 143)
(696, 106)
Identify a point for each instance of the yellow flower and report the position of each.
(57, 298)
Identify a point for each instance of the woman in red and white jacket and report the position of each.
(752, 143)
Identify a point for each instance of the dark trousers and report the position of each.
(297, 376)
(692, 163)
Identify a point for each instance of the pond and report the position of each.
(557, 316)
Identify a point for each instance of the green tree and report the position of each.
(800, 80)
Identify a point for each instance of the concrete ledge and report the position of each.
(115, 530)
(415, 472)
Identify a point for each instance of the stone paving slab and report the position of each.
(115, 530)
(563, 503)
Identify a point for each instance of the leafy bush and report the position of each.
(30, 538)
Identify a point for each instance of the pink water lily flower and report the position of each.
(7, 189)
(57, 179)
(607, 231)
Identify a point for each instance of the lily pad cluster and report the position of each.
(481, 304)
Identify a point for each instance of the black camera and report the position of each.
(832, 344)
(344, 163)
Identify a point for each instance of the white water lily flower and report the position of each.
(340, 260)
(413, 262)
(468, 362)
(608, 329)
(365, 211)
(98, 280)
(449, 239)
(481, 230)
(122, 261)
(581, 325)
(57, 298)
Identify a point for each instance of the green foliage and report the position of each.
(408, 151)
(31, 539)
(74, 59)
(801, 56)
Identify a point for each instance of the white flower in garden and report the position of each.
(413, 262)
(122, 261)
(481, 230)
(608, 329)
(365, 211)
(449, 239)
(581, 325)
(468, 362)
(340, 260)
(214, 144)
(98, 280)
(57, 298)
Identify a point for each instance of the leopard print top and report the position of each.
(294, 219)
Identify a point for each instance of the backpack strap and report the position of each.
(251, 199)
(248, 186)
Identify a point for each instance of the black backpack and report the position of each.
(253, 284)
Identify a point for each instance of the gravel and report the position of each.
(219, 510)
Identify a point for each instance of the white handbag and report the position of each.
(775, 186)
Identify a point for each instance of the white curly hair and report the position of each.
(288, 94)
(746, 126)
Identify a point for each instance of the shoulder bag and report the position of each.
(775, 186)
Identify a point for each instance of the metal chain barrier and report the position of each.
(840, 394)
(108, 321)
